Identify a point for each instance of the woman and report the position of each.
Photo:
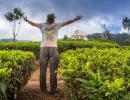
(49, 52)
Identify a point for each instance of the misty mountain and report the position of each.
(122, 39)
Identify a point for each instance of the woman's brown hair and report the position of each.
(50, 18)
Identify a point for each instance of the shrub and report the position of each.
(24, 46)
(62, 45)
(95, 74)
(65, 45)
(15, 70)
(126, 47)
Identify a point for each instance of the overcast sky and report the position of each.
(94, 12)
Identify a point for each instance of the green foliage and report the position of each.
(15, 15)
(4, 74)
(15, 70)
(9, 16)
(24, 46)
(126, 47)
(96, 74)
(126, 23)
(63, 45)
(122, 39)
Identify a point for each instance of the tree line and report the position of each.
(120, 38)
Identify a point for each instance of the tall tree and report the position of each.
(15, 18)
(126, 23)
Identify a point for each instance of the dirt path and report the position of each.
(32, 90)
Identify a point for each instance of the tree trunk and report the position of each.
(18, 27)
(14, 30)
(14, 38)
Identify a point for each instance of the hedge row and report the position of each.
(126, 47)
(95, 74)
(65, 45)
(15, 70)
(62, 45)
(24, 46)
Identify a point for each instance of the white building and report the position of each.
(78, 34)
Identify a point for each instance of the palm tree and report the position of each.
(126, 23)
(14, 17)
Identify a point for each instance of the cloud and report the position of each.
(109, 12)
(122, 30)
(92, 26)
(28, 32)
(68, 8)
(5, 28)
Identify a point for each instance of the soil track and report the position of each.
(32, 90)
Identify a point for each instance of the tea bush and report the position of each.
(63, 45)
(15, 70)
(97, 74)
(126, 47)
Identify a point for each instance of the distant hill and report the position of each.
(122, 39)
(11, 40)
(94, 36)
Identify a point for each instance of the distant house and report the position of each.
(78, 34)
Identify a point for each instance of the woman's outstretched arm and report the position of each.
(31, 23)
(72, 20)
